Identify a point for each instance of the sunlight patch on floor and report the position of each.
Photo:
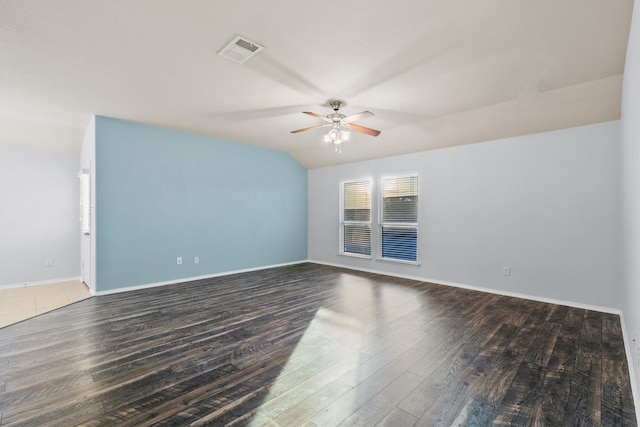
(330, 357)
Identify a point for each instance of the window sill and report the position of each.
(398, 261)
(354, 255)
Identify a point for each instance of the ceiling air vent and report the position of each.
(240, 50)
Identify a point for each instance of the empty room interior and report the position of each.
(320, 213)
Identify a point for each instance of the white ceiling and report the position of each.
(436, 73)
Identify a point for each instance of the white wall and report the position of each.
(630, 194)
(546, 205)
(38, 215)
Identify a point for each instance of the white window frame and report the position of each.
(397, 225)
(344, 223)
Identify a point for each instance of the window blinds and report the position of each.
(356, 217)
(399, 217)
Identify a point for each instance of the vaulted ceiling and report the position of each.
(435, 73)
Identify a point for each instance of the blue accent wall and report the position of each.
(161, 194)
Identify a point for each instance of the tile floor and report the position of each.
(17, 304)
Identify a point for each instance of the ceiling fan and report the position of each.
(338, 122)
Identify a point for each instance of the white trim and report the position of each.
(190, 279)
(354, 255)
(481, 289)
(532, 297)
(628, 348)
(41, 282)
(399, 261)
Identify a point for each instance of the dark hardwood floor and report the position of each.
(311, 345)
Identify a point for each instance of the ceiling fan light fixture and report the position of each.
(336, 136)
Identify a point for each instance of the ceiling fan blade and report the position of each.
(358, 116)
(362, 129)
(317, 115)
(309, 128)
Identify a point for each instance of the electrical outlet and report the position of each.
(196, 260)
(48, 262)
(506, 271)
(636, 348)
(179, 260)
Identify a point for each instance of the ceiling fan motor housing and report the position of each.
(336, 104)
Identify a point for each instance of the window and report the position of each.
(355, 221)
(399, 218)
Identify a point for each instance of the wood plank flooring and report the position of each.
(311, 345)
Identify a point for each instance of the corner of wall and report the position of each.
(630, 202)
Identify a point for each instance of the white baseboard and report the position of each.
(530, 297)
(41, 282)
(190, 279)
(628, 348)
(481, 289)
